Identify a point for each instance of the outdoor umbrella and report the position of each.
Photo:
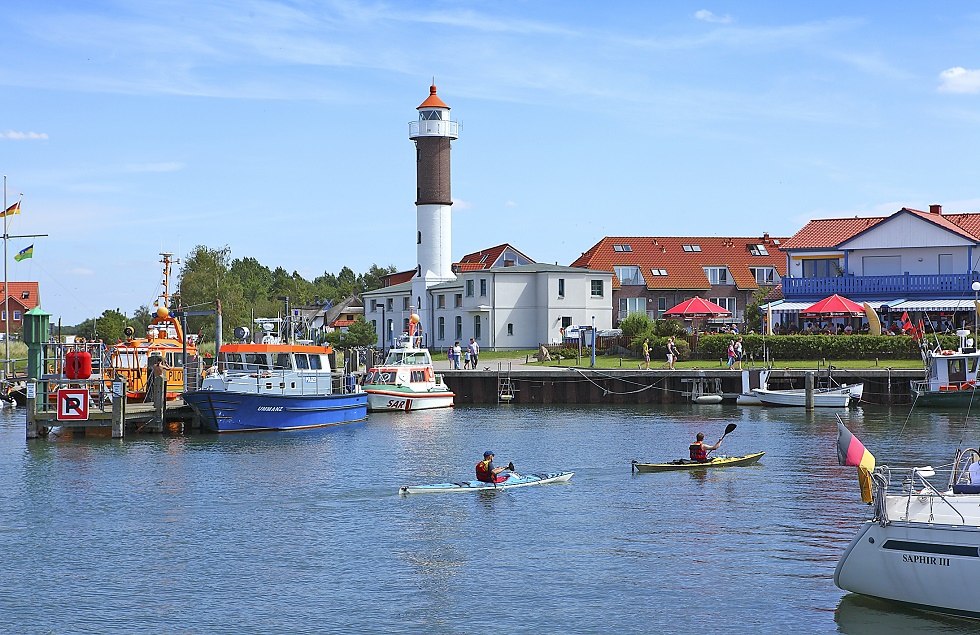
(697, 307)
(834, 306)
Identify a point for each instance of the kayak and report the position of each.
(684, 464)
(516, 480)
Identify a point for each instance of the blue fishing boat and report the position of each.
(272, 385)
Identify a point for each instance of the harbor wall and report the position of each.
(575, 385)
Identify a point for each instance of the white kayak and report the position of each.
(515, 480)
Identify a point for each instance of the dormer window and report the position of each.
(691, 248)
(622, 248)
(758, 250)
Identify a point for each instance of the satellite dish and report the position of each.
(241, 333)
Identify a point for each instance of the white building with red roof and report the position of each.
(911, 260)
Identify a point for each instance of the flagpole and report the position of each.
(6, 289)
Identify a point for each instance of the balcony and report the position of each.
(904, 285)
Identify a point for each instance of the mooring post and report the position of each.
(31, 410)
(809, 390)
(118, 408)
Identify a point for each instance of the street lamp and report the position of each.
(976, 306)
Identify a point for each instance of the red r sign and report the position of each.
(73, 404)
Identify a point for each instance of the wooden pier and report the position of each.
(91, 406)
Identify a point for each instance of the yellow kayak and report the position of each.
(684, 464)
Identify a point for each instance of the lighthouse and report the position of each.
(432, 133)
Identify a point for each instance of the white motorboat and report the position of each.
(836, 397)
(406, 381)
(922, 546)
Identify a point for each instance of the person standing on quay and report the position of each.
(457, 353)
(158, 386)
(672, 352)
(474, 349)
(646, 354)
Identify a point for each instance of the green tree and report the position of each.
(204, 278)
(373, 279)
(753, 312)
(359, 333)
(108, 327)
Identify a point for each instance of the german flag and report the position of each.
(850, 451)
(13, 209)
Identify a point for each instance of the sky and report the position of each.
(280, 129)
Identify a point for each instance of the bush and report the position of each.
(635, 324)
(807, 347)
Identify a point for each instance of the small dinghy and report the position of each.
(685, 464)
(515, 480)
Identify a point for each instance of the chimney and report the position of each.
(765, 238)
(936, 209)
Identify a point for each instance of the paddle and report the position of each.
(510, 468)
(728, 429)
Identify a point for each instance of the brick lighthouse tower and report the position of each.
(432, 134)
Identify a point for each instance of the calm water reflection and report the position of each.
(305, 532)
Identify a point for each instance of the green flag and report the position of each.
(25, 253)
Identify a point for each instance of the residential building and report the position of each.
(21, 297)
(653, 274)
(911, 260)
(502, 308)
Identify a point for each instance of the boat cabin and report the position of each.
(281, 357)
(948, 370)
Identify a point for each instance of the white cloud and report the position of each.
(707, 16)
(459, 203)
(15, 135)
(510, 203)
(959, 80)
(81, 271)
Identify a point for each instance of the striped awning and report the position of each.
(785, 306)
(934, 305)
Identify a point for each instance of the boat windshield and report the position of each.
(407, 358)
(379, 377)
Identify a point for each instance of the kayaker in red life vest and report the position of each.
(699, 451)
(487, 473)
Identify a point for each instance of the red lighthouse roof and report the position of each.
(433, 100)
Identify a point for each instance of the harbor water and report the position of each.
(305, 532)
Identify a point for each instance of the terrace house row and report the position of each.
(653, 274)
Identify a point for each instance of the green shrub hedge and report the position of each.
(819, 346)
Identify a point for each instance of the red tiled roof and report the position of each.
(828, 233)
(398, 277)
(486, 257)
(467, 266)
(685, 269)
(17, 290)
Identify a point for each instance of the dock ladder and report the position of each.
(505, 388)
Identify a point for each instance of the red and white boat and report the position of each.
(406, 381)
